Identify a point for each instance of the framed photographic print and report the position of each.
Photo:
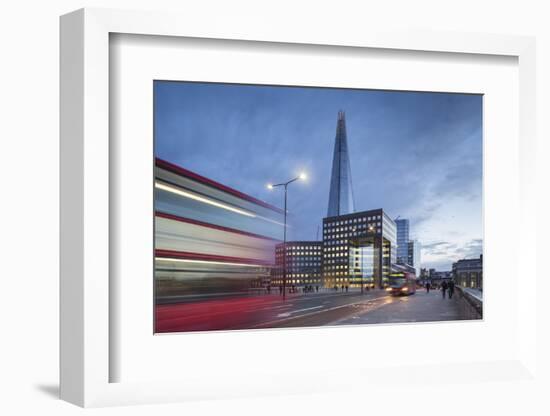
(284, 212)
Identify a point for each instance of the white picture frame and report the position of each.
(86, 356)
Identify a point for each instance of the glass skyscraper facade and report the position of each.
(340, 200)
(402, 241)
(413, 257)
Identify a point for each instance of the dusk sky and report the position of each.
(416, 155)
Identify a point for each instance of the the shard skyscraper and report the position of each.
(340, 200)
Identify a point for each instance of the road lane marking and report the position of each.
(270, 308)
(286, 314)
(279, 321)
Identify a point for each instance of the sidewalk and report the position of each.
(420, 307)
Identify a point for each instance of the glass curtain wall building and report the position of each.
(340, 200)
(413, 257)
(402, 241)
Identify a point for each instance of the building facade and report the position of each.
(402, 226)
(469, 273)
(413, 255)
(303, 263)
(436, 277)
(358, 249)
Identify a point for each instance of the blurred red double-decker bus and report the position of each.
(211, 241)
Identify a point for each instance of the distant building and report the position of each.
(423, 276)
(303, 263)
(413, 255)
(358, 249)
(340, 200)
(402, 226)
(469, 272)
(436, 278)
(445, 275)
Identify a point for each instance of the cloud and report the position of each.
(436, 245)
(472, 248)
(444, 253)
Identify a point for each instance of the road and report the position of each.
(303, 310)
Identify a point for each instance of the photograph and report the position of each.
(291, 206)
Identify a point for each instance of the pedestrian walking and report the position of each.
(451, 289)
(443, 288)
(428, 285)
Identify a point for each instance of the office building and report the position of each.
(358, 249)
(303, 263)
(413, 255)
(402, 254)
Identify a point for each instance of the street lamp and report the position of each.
(302, 176)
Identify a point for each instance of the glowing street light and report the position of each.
(301, 176)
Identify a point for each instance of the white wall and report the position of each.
(29, 184)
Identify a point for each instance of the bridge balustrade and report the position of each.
(470, 303)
